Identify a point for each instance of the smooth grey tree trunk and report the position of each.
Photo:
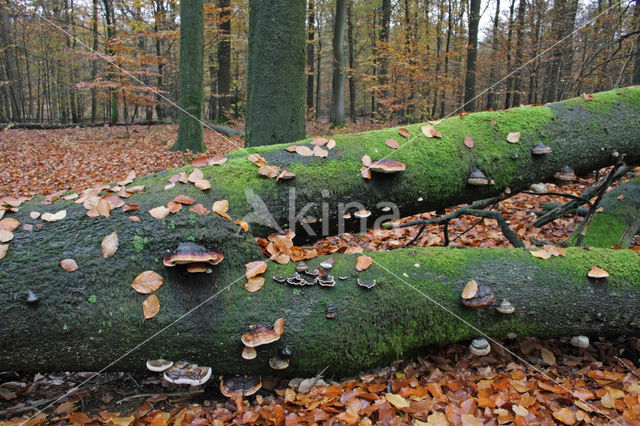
(190, 129)
(224, 61)
(472, 57)
(339, 74)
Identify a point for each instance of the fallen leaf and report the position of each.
(319, 141)
(195, 175)
(434, 122)
(331, 144)
(70, 197)
(69, 265)
(179, 177)
(174, 207)
(257, 159)
(243, 225)
(169, 186)
(110, 245)
(547, 356)
(254, 284)
(217, 161)
(363, 263)
(565, 416)
(291, 148)
(151, 306)
(136, 189)
(620, 197)
(199, 209)
(48, 217)
(365, 172)
(147, 282)
(255, 268)
(5, 236)
(220, 207)
(202, 184)
(366, 160)
(470, 289)
(542, 254)
(468, 142)
(392, 143)
(513, 137)
(520, 410)
(396, 400)
(269, 171)
(278, 326)
(305, 151)
(103, 208)
(319, 152)
(129, 207)
(3, 250)
(159, 212)
(130, 177)
(404, 132)
(9, 224)
(34, 215)
(587, 96)
(200, 161)
(134, 218)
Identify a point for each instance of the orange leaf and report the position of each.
(404, 132)
(392, 143)
(255, 268)
(542, 254)
(196, 175)
(363, 263)
(174, 207)
(217, 161)
(243, 225)
(269, 171)
(109, 245)
(183, 199)
(202, 184)
(468, 142)
(5, 236)
(199, 209)
(470, 290)
(254, 284)
(9, 224)
(278, 326)
(134, 218)
(565, 416)
(257, 159)
(151, 306)
(159, 212)
(69, 265)
(147, 282)
(129, 207)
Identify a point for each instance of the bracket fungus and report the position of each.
(597, 273)
(249, 352)
(362, 214)
(566, 174)
(366, 284)
(183, 373)
(541, 149)
(159, 365)
(262, 334)
(327, 263)
(244, 385)
(32, 298)
(506, 307)
(477, 178)
(386, 165)
(480, 346)
(192, 253)
(277, 363)
(332, 312)
(483, 296)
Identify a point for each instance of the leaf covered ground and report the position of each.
(526, 381)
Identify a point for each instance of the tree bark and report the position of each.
(224, 61)
(517, 77)
(382, 55)
(276, 75)
(352, 65)
(491, 103)
(11, 67)
(472, 56)
(339, 75)
(635, 78)
(87, 319)
(311, 32)
(190, 129)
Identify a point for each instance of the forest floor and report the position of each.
(522, 380)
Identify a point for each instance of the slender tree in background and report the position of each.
(224, 61)
(517, 76)
(94, 63)
(11, 67)
(311, 32)
(382, 56)
(472, 57)
(509, 83)
(635, 78)
(276, 72)
(352, 65)
(493, 77)
(190, 130)
(111, 33)
(337, 98)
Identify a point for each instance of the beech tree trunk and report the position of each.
(472, 56)
(336, 113)
(92, 319)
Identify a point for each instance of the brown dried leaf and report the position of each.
(69, 265)
(305, 151)
(3, 250)
(202, 184)
(254, 284)
(130, 177)
(331, 144)
(217, 161)
(513, 137)
(199, 209)
(547, 356)
(110, 245)
(319, 152)
(587, 96)
(174, 207)
(363, 263)
(134, 218)
(365, 172)
(183, 199)
(366, 160)
(565, 415)
(9, 224)
(103, 207)
(392, 143)
(136, 189)
(404, 132)
(542, 254)
(269, 171)
(257, 159)
(278, 326)
(468, 142)
(159, 212)
(291, 148)
(319, 141)
(196, 175)
(129, 207)
(147, 282)
(255, 268)
(151, 306)
(220, 206)
(243, 225)
(5, 236)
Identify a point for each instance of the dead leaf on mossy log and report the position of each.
(69, 265)
(269, 171)
(110, 245)
(363, 263)
(392, 143)
(147, 282)
(255, 268)
(254, 284)
(159, 212)
(470, 290)
(3, 250)
(151, 306)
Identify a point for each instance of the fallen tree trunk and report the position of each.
(90, 319)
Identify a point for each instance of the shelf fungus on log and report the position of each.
(541, 149)
(482, 297)
(249, 352)
(597, 273)
(506, 307)
(477, 178)
(159, 365)
(194, 255)
(566, 174)
(262, 334)
(385, 165)
(480, 346)
(243, 385)
(184, 373)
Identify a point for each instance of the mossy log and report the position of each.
(92, 319)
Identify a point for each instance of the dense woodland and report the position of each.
(406, 60)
